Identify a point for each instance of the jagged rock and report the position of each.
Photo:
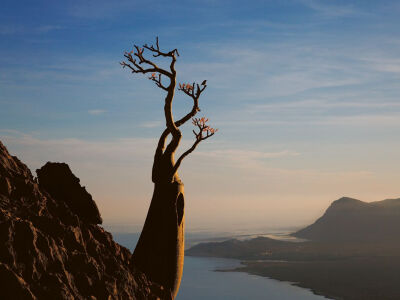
(50, 245)
(58, 180)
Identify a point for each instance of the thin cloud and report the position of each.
(47, 28)
(321, 104)
(250, 154)
(151, 124)
(96, 112)
(12, 29)
(243, 158)
(383, 64)
(78, 151)
(280, 69)
(89, 9)
(327, 9)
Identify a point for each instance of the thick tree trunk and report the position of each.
(160, 249)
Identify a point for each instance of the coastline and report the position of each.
(357, 278)
(297, 284)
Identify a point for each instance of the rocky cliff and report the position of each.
(51, 246)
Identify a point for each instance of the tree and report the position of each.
(160, 250)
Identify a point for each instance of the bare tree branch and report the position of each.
(186, 153)
(136, 67)
(157, 52)
(157, 80)
(188, 116)
(201, 123)
(195, 95)
(150, 67)
(137, 62)
(204, 133)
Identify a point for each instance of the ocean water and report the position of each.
(200, 281)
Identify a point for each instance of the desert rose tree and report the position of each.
(160, 249)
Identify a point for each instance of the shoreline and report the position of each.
(297, 284)
(355, 278)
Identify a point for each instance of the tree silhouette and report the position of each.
(160, 249)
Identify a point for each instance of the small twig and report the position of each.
(157, 81)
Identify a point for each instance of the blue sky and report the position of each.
(305, 94)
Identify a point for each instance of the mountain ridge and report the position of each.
(349, 219)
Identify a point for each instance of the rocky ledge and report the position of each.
(51, 246)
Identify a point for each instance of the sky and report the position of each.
(305, 94)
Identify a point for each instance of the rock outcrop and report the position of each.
(58, 180)
(50, 244)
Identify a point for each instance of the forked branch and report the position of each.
(187, 89)
(158, 52)
(157, 80)
(142, 65)
(205, 132)
(192, 90)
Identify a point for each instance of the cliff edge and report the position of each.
(51, 246)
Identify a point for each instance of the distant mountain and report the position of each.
(233, 248)
(351, 252)
(352, 220)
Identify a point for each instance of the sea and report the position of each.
(201, 280)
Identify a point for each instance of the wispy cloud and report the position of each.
(239, 154)
(12, 131)
(244, 158)
(47, 28)
(330, 9)
(110, 158)
(66, 70)
(97, 112)
(383, 63)
(375, 120)
(11, 29)
(151, 124)
(100, 9)
(323, 104)
(280, 69)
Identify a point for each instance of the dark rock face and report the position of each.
(50, 245)
(58, 180)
